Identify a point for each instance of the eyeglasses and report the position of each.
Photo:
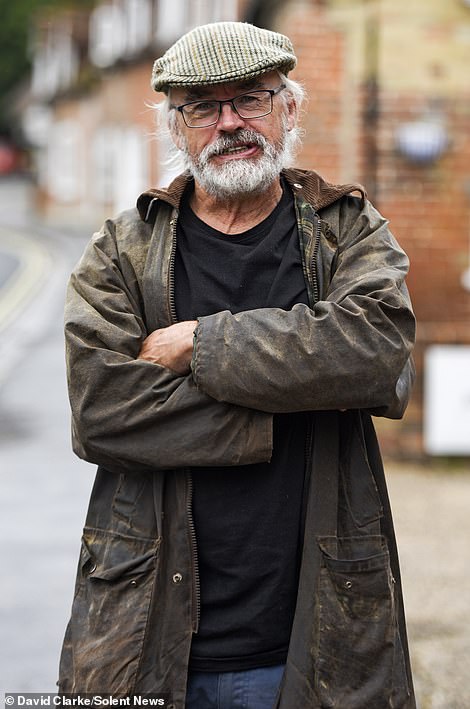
(253, 104)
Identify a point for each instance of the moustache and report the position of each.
(241, 137)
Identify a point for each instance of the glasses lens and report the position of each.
(202, 113)
(250, 105)
(253, 105)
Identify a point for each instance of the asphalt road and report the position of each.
(9, 264)
(44, 489)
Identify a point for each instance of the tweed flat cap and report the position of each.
(221, 52)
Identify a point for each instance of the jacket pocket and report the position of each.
(359, 657)
(105, 635)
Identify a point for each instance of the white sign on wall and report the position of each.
(447, 400)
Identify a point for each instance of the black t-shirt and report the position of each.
(247, 518)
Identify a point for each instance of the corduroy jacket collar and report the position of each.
(315, 190)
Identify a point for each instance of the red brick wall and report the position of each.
(428, 206)
(320, 50)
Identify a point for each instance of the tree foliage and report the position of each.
(16, 25)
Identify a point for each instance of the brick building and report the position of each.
(90, 115)
(389, 107)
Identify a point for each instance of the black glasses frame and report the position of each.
(271, 92)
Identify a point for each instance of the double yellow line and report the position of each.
(27, 279)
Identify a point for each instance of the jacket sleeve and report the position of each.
(352, 350)
(129, 414)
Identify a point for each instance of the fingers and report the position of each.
(170, 347)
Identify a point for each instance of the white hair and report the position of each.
(294, 91)
(167, 123)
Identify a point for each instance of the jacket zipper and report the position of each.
(309, 262)
(194, 558)
(314, 295)
(171, 273)
(196, 613)
(312, 266)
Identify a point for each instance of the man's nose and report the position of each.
(229, 118)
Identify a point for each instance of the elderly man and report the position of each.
(227, 343)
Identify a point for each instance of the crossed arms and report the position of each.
(203, 393)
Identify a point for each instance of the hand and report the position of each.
(171, 347)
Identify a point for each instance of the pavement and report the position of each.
(44, 489)
(431, 509)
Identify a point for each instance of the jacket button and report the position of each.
(177, 578)
(297, 186)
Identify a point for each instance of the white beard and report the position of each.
(239, 176)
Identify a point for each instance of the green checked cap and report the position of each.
(221, 52)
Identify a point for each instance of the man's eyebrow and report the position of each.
(198, 92)
(254, 83)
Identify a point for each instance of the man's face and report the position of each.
(235, 155)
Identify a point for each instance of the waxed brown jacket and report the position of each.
(343, 358)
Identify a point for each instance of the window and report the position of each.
(174, 17)
(107, 35)
(55, 61)
(63, 162)
(120, 166)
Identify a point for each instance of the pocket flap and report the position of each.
(109, 556)
(363, 553)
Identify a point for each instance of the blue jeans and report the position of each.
(249, 689)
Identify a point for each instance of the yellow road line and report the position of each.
(27, 280)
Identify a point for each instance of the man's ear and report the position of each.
(175, 133)
(292, 113)
(173, 126)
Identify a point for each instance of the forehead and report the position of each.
(179, 94)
